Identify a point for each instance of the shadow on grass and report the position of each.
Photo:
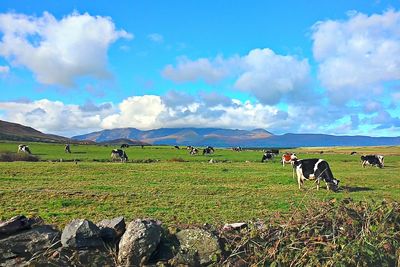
(355, 188)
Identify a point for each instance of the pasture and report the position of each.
(178, 188)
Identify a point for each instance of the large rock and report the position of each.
(205, 244)
(139, 241)
(16, 224)
(23, 246)
(81, 234)
(111, 230)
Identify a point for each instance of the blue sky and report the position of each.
(71, 67)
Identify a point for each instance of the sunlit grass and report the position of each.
(179, 192)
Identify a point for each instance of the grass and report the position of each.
(185, 191)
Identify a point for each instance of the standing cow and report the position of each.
(119, 154)
(288, 158)
(315, 169)
(373, 160)
(24, 148)
(208, 150)
(194, 151)
(67, 148)
(267, 156)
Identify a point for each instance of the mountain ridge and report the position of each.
(236, 137)
(17, 132)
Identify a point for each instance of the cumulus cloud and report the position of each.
(156, 37)
(152, 111)
(270, 77)
(358, 54)
(210, 71)
(59, 51)
(54, 116)
(136, 111)
(262, 73)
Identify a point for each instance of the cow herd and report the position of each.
(305, 169)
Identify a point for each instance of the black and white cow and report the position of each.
(67, 148)
(373, 160)
(177, 147)
(315, 169)
(24, 148)
(119, 154)
(125, 146)
(267, 156)
(208, 150)
(237, 149)
(194, 151)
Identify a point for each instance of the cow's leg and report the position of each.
(299, 178)
(317, 182)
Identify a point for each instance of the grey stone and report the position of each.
(24, 245)
(139, 241)
(204, 243)
(81, 233)
(16, 224)
(111, 230)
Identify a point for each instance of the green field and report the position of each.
(178, 188)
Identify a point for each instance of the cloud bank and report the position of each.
(58, 52)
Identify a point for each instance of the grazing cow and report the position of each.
(288, 158)
(315, 169)
(237, 149)
(142, 146)
(124, 146)
(177, 147)
(353, 153)
(321, 152)
(208, 150)
(119, 154)
(373, 160)
(267, 156)
(24, 148)
(194, 151)
(67, 148)
(189, 148)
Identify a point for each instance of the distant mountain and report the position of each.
(230, 138)
(182, 136)
(16, 132)
(121, 141)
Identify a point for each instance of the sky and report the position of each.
(73, 67)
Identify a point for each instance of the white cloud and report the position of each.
(156, 37)
(152, 112)
(55, 116)
(59, 51)
(270, 77)
(261, 73)
(186, 70)
(359, 54)
(136, 111)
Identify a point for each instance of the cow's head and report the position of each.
(334, 184)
